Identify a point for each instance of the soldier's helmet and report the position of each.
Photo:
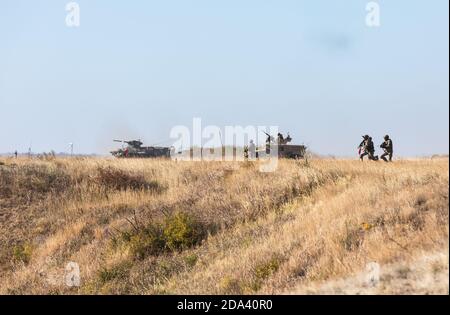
(386, 137)
(366, 137)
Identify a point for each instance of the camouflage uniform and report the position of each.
(280, 138)
(388, 148)
(366, 147)
(246, 152)
(371, 150)
(363, 148)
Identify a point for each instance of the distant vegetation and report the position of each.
(161, 227)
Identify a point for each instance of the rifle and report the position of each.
(269, 137)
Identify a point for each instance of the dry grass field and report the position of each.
(163, 227)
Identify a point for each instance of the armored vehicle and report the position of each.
(285, 150)
(134, 149)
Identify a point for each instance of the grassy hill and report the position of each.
(163, 227)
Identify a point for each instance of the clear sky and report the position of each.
(137, 68)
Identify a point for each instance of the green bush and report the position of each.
(191, 260)
(22, 252)
(182, 231)
(263, 271)
(147, 242)
(178, 232)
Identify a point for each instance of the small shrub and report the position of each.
(421, 203)
(264, 271)
(148, 241)
(22, 252)
(366, 226)
(182, 231)
(416, 221)
(178, 232)
(191, 260)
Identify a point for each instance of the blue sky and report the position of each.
(137, 68)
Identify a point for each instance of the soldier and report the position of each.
(371, 150)
(362, 148)
(269, 138)
(280, 138)
(366, 147)
(245, 152)
(269, 141)
(15, 154)
(388, 148)
(288, 138)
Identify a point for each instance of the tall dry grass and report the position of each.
(161, 227)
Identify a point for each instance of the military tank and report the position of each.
(134, 149)
(285, 150)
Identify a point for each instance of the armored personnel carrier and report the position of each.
(134, 149)
(285, 150)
